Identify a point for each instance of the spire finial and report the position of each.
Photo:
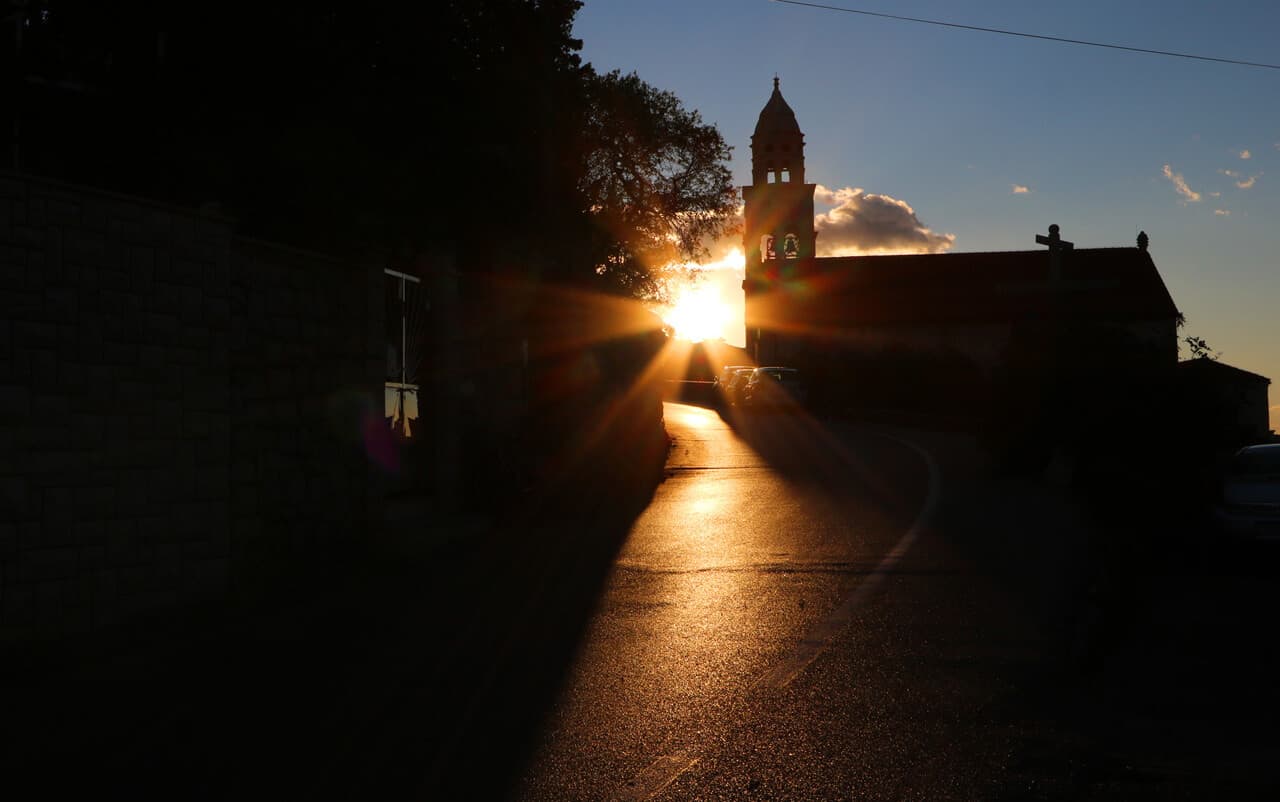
(775, 82)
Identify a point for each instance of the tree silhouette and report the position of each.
(399, 128)
(1200, 349)
(654, 180)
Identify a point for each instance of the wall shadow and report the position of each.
(397, 674)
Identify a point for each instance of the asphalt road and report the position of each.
(782, 623)
(801, 610)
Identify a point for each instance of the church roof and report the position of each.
(776, 117)
(1115, 285)
(1208, 367)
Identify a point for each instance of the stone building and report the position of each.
(1228, 403)
(801, 307)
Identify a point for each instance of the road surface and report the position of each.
(781, 623)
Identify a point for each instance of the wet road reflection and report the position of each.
(737, 558)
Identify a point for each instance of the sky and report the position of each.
(979, 141)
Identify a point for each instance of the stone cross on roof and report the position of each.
(1057, 246)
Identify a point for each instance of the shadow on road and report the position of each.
(1155, 667)
(403, 674)
(808, 450)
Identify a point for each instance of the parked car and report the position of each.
(724, 392)
(726, 372)
(775, 387)
(1250, 505)
(736, 389)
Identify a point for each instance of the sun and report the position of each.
(698, 313)
(706, 299)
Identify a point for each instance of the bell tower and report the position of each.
(779, 239)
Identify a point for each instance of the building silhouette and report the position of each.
(980, 308)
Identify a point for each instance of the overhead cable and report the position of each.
(1029, 35)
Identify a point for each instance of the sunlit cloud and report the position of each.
(730, 259)
(1188, 194)
(1019, 189)
(1222, 212)
(1241, 182)
(862, 223)
(1245, 154)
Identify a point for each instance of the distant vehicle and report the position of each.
(725, 378)
(775, 387)
(726, 373)
(1250, 504)
(735, 390)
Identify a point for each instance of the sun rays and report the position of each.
(707, 306)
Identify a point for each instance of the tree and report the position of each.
(399, 128)
(1200, 349)
(654, 181)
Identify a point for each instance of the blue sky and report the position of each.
(951, 121)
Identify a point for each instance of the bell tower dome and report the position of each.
(779, 240)
(777, 146)
(779, 204)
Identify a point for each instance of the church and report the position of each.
(972, 316)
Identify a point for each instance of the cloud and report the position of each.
(719, 248)
(1215, 194)
(1018, 189)
(862, 223)
(1222, 212)
(1180, 185)
(1245, 154)
(1242, 183)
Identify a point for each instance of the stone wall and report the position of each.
(171, 398)
(306, 386)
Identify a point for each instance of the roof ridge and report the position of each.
(977, 253)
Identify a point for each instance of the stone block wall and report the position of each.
(161, 382)
(307, 360)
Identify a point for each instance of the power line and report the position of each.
(1029, 35)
